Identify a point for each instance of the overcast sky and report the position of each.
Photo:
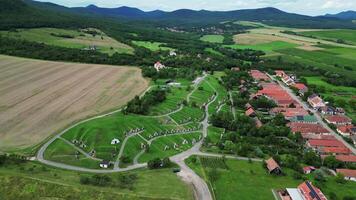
(308, 7)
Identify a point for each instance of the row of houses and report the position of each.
(304, 122)
(317, 137)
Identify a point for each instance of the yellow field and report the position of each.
(39, 98)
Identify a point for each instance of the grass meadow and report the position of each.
(349, 36)
(36, 181)
(249, 180)
(153, 46)
(77, 39)
(213, 38)
(266, 47)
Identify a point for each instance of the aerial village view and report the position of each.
(178, 100)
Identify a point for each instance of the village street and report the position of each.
(316, 113)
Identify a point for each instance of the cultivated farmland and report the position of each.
(78, 39)
(40, 97)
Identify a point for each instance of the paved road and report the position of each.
(316, 114)
(201, 189)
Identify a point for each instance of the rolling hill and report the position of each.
(347, 15)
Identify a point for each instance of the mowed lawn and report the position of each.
(59, 151)
(213, 38)
(32, 181)
(348, 36)
(98, 134)
(266, 47)
(245, 181)
(156, 149)
(71, 39)
(39, 98)
(153, 46)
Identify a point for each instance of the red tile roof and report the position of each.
(257, 75)
(338, 119)
(249, 112)
(280, 73)
(347, 172)
(325, 143)
(346, 158)
(307, 128)
(300, 86)
(271, 164)
(309, 136)
(345, 128)
(290, 112)
(310, 192)
(277, 93)
(308, 168)
(336, 150)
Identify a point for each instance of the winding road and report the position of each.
(201, 188)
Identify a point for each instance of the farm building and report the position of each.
(273, 166)
(115, 141)
(310, 192)
(258, 75)
(287, 80)
(349, 174)
(250, 112)
(334, 151)
(305, 191)
(289, 112)
(236, 69)
(158, 66)
(347, 130)
(338, 119)
(324, 143)
(307, 128)
(280, 73)
(309, 119)
(308, 169)
(315, 101)
(172, 53)
(327, 110)
(346, 158)
(301, 88)
(104, 164)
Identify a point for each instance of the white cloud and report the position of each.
(310, 7)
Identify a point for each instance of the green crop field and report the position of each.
(323, 59)
(71, 39)
(244, 180)
(266, 47)
(348, 36)
(32, 181)
(213, 38)
(153, 46)
(222, 95)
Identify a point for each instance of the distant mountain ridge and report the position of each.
(349, 15)
(268, 15)
(39, 13)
